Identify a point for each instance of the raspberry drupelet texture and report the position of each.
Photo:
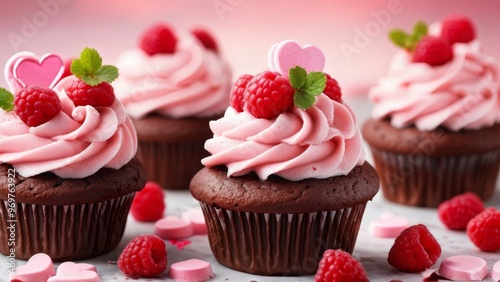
(433, 50)
(158, 39)
(484, 230)
(457, 28)
(268, 94)
(338, 266)
(332, 89)
(456, 212)
(238, 91)
(148, 204)
(36, 105)
(144, 256)
(414, 250)
(82, 94)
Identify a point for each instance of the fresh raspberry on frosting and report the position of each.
(158, 39)
(456, 212)
(144, 256)
(337, 266)
(36, 105)
(82, 94)
(484, 230)
(148, 204)
(457, 28)
(238, 91)
(414, 250)
(206, 39)
(268, 94)
(432, 50)
(332, 89)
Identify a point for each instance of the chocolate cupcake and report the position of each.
(435, 127)
(171, 94)
(68, 172)
(285, 180)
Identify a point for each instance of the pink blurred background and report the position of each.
(351, 33)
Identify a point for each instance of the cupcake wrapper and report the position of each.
(171, 164)
(426, 181)
(279, 244)
(66, 232)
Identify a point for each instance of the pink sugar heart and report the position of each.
(388, 225)
(289, 54)
(172, 227)
(27, 69)
(38, 269)
(70, 271)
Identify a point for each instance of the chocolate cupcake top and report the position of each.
(441, 78)
(71, 127)
(290, 121)
(174, 73)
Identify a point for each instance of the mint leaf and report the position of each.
(315, 83)
(107, 73)
(89, 68)
(297, 76)
(6, 100)
(91, 60)
(303, 100)
(420, 29)
(399, 37)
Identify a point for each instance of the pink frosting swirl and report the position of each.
(193, 81)
(76, 143)
(461, 94)
(320, 142)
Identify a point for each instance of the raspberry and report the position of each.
(206, 39)
(82, 94)
(157, 39)
(414, 250)
(35, 105)
(268, 95)
(457, 211)
(337, 265)
(457, 28)
(238, 91)
(484, 230)
(148, 204)
(144, 256)
(332, 89)
(433, 50)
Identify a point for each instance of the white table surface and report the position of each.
(371, 251)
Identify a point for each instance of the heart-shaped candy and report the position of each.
(289, 54)
(25, 69)
(70, 271)
(38, 269)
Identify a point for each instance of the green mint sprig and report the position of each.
(408, 41)
(89, 68)
(307, 86)
(6, 100)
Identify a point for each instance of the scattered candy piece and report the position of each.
(195, 216)
(191, 270)
(463, 267)
(70, 271)
(456, 212)
(144, 256)
(38, 269)
(289, 54)
(484, 230)
(388, 226)
(414, 250)
(495, 271)
(148, 204)
(172, 227)
(341, 265)
(180, 244)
